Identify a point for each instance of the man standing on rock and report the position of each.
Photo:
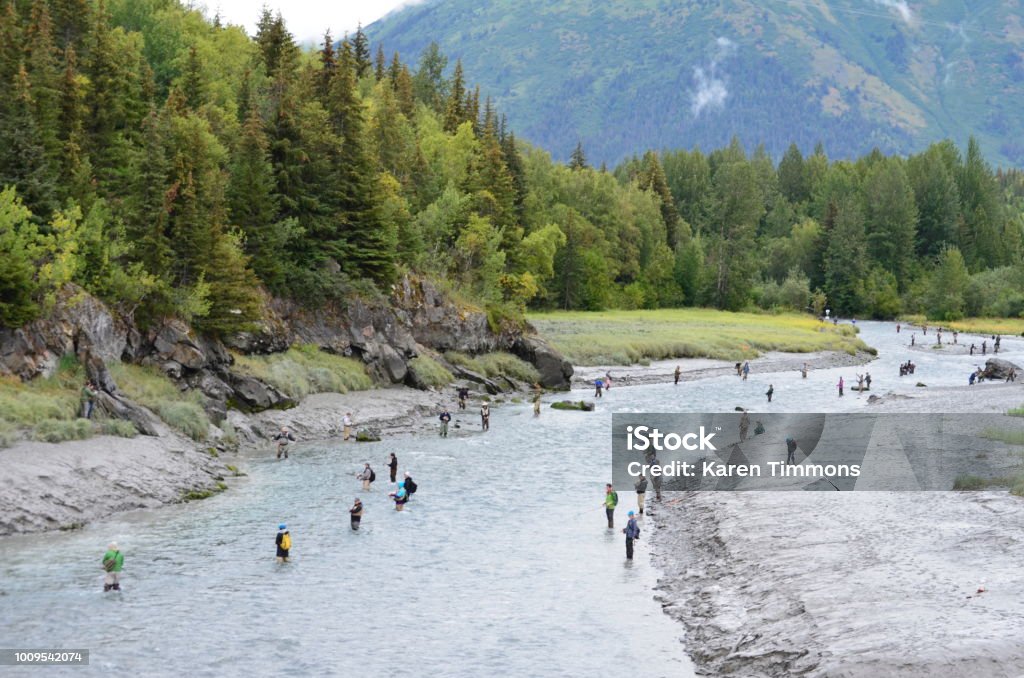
(485, 417)
(113, 562)
(367, 476)
(283, 438)
(611, 500)
(346, 426)
(88, 399)
(445, 418)
(393, 466)
(632, 532)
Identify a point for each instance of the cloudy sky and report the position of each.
(307, 19)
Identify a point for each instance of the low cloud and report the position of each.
(901, 7)
(710, 90)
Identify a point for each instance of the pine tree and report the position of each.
(11, 56)
(361, 52)
(890, 217)
(146, 208)
(578, 159)
(44, 74)
(328, 66)
(455, 109)
(652, 178)
(793, 175)
(23, 161)
(472, 110)
(379, 64)
(75, 170)
(71, 19)
(404, 92)
(193, 81)
(429, 84)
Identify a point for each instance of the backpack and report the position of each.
(615, 498)
(373, 475)
(286, 541)
(410, 485)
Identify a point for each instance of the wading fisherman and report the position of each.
(356, 513)
(632, 532)
(113, 562)
(641, 491)
(485, 417)
(770, 392)
(840, 385)
(367, 476)
(611, 500)
(536, 405)
(598, 386)
(283, 438)
(410, 486)
(746, 369)
(790, 451)
(393, 466)
(284, 543)
(677, 374)
(400, 496)
(445, 418)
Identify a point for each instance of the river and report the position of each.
(502, 562)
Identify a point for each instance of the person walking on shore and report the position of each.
(840, 385)
(283, 542)
(463, 397)
(445, 418)
(88, 399)
(770, 392)
(346, 426)
(746, 369)
(367, 475)
(283, 438)
(356, 514)
(485, 417)
(632, 532)
(611, 500)
(393, 466)
(410, 486)
(641, 491)
(113, 563)
(678, 373)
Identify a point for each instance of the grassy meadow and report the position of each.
(628, 337)
(1014, 326)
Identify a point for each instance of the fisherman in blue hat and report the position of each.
(632, 531)
(284, 543)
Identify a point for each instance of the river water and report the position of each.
(502, 562)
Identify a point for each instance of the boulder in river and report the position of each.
(367, 435)
(555, 371)
(581, 405)
(997, 368)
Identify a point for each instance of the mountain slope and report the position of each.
(623, 76)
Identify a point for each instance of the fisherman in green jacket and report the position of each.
(611, 500)
(113, 562)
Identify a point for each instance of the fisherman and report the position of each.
(1011, 375)
(113, 563)
(770, 391)
(410, 486)
(984, 347)
(996, 345)
(611, 500)
(346, 426)
(897, 328)
(758, 428)
(367, 476)
(656, 478)
(356, 513)
(972, 349)
(867, 380)
(607, 381)
(598, 386)
(400, 496)
(803, 371)
(463, 396)
(284, 543)
(536, 405)
(955, 335)
(912, 339)
(938, 337)
(485, 417)
(790, 450)
(445, 418)
(739, 369)
(641, 490)
(746, 370)
(840, 385)
(88, 399)
(392, 465)
(283, 438)
(744, 425)
(860, 382)
(678, 373)
(632, 532)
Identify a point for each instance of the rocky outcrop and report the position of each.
(997, 368)
(555, 371)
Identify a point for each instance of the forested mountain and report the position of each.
(175, 166)
(623, 74)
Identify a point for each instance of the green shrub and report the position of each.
(60, 430)
(118, 427)
(181, 410)
(8, 434)
(1010, 436)
(431, 372)
(969, 482)
(305, 369)
(495, 364)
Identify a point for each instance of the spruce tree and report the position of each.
(44, 74)
(379, 64)
(578, 159)
(361, 52)
(455, 109)
(328, 65)
(23, 161)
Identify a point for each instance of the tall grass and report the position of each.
(1014, 326)
(430, 371)
(305, 369)
(627, 337)
(495, 364)
(1010, 436)
(181, 410)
